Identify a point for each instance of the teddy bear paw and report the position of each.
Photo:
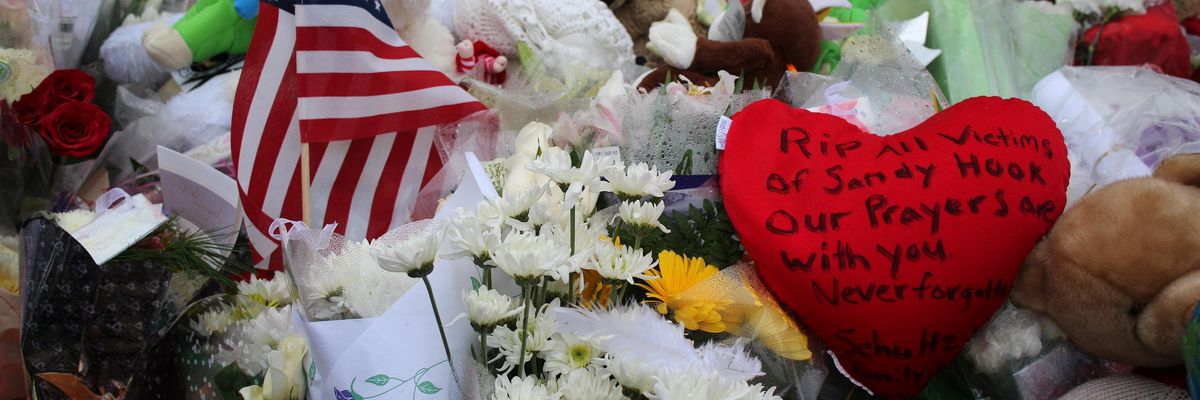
(673, 40)
(166, 47)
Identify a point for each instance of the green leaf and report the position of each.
(379, 380)
(230, 380)
(475, 283)
(428, 387)
(312, 370)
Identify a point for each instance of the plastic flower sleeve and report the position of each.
(1119, 122)
(995, 47)
(791, 360)
(96, 323)
(878, 85)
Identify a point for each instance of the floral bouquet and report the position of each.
(604, 308)
(100, 289)
(243, 345)
(45, 134)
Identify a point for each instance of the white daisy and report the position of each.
(527, 257)
(621, 263)
(508, 340)
(637, 180)
(583, 384)
(522, 389)
(731, 360)
(471, 236)
(487, 308)
(642, 214)
(413, 255)
(697, 382)
(249, 342)
(275, 292)
(567, 352)
(212, 322)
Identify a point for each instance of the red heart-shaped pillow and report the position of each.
(893, 250)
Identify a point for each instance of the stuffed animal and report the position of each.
(776, 34)
(1119, 272)
(482, 60)
(210, 28)
(432, 40)
(638, 15)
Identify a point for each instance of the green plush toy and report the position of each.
(209, 28)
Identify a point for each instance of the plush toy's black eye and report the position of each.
(1135, 309)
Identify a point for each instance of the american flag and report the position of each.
(334, 74)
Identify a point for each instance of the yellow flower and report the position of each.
(670, 289)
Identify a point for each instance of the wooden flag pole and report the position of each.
(305, 182)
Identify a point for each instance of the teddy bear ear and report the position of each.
(1180, 168)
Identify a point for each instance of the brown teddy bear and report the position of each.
(638, 15)
(774, 35)
(1119, 272)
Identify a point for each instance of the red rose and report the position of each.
(30, 108)
(62, 86)
(67, 85)
(75, 130)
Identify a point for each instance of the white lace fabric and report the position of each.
(558, 30)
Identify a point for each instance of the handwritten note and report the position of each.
(199, 194)
(893, 250)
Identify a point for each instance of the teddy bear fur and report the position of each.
(1119, 272)
(432, 40)
(1186, 8)
(637, 16)
(788, 34)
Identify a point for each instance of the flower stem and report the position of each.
(438, 317)
(571, 277)
(483, 356)
(487, 277)
(526, 300)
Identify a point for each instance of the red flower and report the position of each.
(30, 108)
(67, 85)
(62, 86)
(75, 130)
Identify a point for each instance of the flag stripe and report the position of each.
(337, 79)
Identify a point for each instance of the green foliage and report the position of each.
(191, 252)
(379, 380)
(229, 380)
(699, 232)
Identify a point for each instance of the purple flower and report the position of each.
(342, 394)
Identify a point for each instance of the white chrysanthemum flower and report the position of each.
(212, 322)
(645, 214)
(556, 164)
(487, 308)
(1099, 7)
(413, 255)
(514, 205)
(587, 237)
(549, 209)
(366, 289)
(471, 236)
(275, 292)
(72, 221)
(697, 382)
(508, 340)
(621, 263)
(731, 360)
(585, 384)
(527, 257)
(522, 389)
(637, 180)
(325, 297)
(567, 352)
(249, 342)
(757, 393)
(633, 372)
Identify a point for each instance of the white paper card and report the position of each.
(610, 151)
(199, 194)
(120, 227)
